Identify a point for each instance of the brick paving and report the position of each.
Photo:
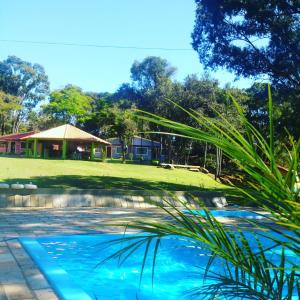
(20, 278)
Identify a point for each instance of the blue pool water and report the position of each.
(229, 213)
(70, 262)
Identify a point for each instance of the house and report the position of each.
(139, 148)
(65, 141)
(13, 143)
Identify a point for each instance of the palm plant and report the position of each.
(251, 269)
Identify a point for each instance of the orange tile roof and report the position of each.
(15, 136)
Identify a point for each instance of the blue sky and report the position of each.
(141, 23)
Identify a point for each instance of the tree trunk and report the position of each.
(2, 125)
(205, 155)
(221, 159)
(170, 150)
(16, 124)
(218, 163)
(160, 149)
(189, 153)
(123, 151)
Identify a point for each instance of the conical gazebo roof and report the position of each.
(66, 132)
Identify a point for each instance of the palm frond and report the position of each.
(252, 269)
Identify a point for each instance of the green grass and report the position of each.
(99, 175)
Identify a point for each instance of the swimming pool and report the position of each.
(226, 213)
(71, 265)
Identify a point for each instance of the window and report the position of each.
(141, 151)
(55, 147)
(118, 150)
(98, 152)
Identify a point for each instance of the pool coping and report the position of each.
(59, 279)
(253, 214)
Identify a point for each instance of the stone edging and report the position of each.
(58, 198)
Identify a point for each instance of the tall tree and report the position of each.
(39, 120)
(119, 123)
(250, 37)
(125, 92)
(152, 81)
(8, 105)
(147, 74)
(69, 105)
(99, 105)
(286, 110)
(26, 81)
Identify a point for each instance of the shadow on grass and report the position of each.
(97, 160)
(101, 182)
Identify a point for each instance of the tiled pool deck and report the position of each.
(20, 278)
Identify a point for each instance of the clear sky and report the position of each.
(141, 23)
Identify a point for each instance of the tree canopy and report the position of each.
(8, 105)
(148, 73)
(69, 105)
(116, 122)
(26, 81)
(250, 37)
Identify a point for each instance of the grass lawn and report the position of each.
(99, 175)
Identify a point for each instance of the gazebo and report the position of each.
(65, 141)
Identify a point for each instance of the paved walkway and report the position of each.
(20, 278)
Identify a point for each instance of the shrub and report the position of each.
(130, 156)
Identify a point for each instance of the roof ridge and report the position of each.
(136, 136)
(66, 128)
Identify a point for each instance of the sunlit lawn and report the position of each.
(99, 175)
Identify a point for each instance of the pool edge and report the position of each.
(58, 278)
